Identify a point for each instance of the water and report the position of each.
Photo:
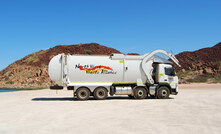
(8, 90)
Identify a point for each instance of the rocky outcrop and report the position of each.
(203, 65)
(206, 60)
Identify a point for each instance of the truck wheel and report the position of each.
(140, 93)
(82, 93)
(163, 93)
(100, 93)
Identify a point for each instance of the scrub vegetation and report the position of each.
(87, 51)
(9, 82)
(205, 78)
(34, 57)
(183, 74)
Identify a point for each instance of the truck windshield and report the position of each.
(170, 71)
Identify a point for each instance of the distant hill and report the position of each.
(32, 70)
(203, 65)
(206, 58)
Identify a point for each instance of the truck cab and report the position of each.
(165, 75)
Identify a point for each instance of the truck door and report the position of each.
(167, 75)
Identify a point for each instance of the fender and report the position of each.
(164, 84)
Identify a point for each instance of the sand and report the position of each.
(193, 111)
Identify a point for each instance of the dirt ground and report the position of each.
(200, 86)
(192, 111)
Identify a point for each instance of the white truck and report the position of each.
(118, 74)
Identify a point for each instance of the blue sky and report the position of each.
(140, 26)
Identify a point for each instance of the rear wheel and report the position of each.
(163, 93)
(82, 93)
(100, 93)
(140, 93)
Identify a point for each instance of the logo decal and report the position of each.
(92, 69)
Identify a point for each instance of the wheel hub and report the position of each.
(100, 93)
(83, 93)
(164, 93)
(140, 93)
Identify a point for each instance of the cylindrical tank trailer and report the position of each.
(118, 74)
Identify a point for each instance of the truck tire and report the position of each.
(82, 93)
(140, 93)
(163, 92)
(100, 93)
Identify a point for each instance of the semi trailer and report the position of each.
(118, 74)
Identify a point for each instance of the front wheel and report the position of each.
(140, 93)
(163, 93)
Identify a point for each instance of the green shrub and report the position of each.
(29, 77)
(194, 59)
(217, 78)
(33, 57)
(200, 78)
(87, 51)
(217, 63)
(6, 78)
(54, 53)
(9, 82)
(183, 74)
(10, 74)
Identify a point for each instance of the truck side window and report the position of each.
(170, 71)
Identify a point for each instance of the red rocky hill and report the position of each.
(206, 60)
(32, 70)
(203, 65)
(43, 57)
